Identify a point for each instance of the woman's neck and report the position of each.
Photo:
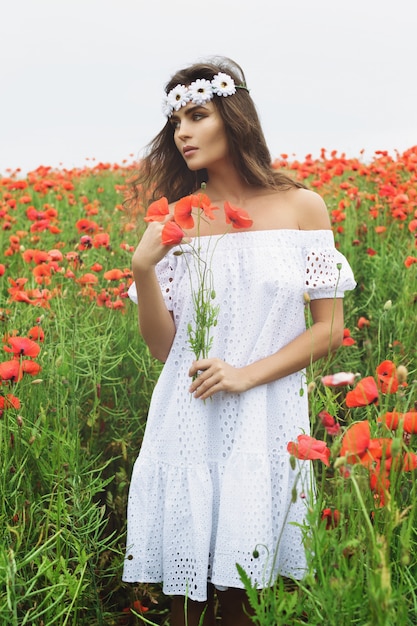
(227, 184)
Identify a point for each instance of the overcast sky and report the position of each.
(84, 78)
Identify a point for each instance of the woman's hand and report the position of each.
(214, 375)
(150, 249)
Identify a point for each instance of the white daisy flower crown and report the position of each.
(200, 91)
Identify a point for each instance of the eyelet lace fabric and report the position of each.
(212, 485)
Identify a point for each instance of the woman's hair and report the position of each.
(163, 171)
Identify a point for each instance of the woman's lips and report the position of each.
(189, 150)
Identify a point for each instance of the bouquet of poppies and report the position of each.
(188, 214)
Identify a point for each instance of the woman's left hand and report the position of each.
(214, 375)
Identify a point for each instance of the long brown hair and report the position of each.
(163, 171)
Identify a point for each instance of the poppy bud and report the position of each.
(402, 374)
(294, 495)
(339, 461)
(292, 462)
(387, 305)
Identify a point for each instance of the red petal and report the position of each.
(365, 392)
(356, 441)
(237, 217)
(172, 234)
(157, 210)
(183, 212)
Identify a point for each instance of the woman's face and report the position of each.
(200, 136)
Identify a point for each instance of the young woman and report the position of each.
(212, 486)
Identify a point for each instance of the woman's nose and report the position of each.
(183, 130)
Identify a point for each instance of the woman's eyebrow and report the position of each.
(190, 110)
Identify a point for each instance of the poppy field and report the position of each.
(76, 380)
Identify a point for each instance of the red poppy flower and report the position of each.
(86, 226)
(362, 322)
(172, 234)
(365, 392)
(40, 256)
(117, 304)
(355, 441)
(347, 339)
(410, 260)
(237, 217)
(96, 267)
(36, 333)
(30, 367)
(27, 255)
(137, 606)
(358, 447)
(410, 422)
(387, 377)
(11, 370)
(204, 202)
(338, 380)
(157, 211)
(391, 419)
(2, 269)
(56, 255)
(23, 346)
(308, 449)
(9, 401)
(329, 423)
(88, 279)
(183, 212)
(86, 242)
(332, 517)
(101, 240)
(115, 274)
(409, 462)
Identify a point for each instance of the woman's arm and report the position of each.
(324, 336)
(156, 323)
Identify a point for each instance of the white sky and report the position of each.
(84, 78)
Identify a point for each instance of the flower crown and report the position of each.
(199, 92)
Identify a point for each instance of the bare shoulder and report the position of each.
(311, 210)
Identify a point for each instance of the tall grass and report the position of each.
(68, 446)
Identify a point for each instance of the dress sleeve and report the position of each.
(165, 275)
(328, 273)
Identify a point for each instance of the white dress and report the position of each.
(212, 485)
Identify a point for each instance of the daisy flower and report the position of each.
(223, 84)
(178, 97)
(200, 91)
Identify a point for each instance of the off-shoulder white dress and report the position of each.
(212, 485)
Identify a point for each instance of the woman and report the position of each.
(212, 486)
